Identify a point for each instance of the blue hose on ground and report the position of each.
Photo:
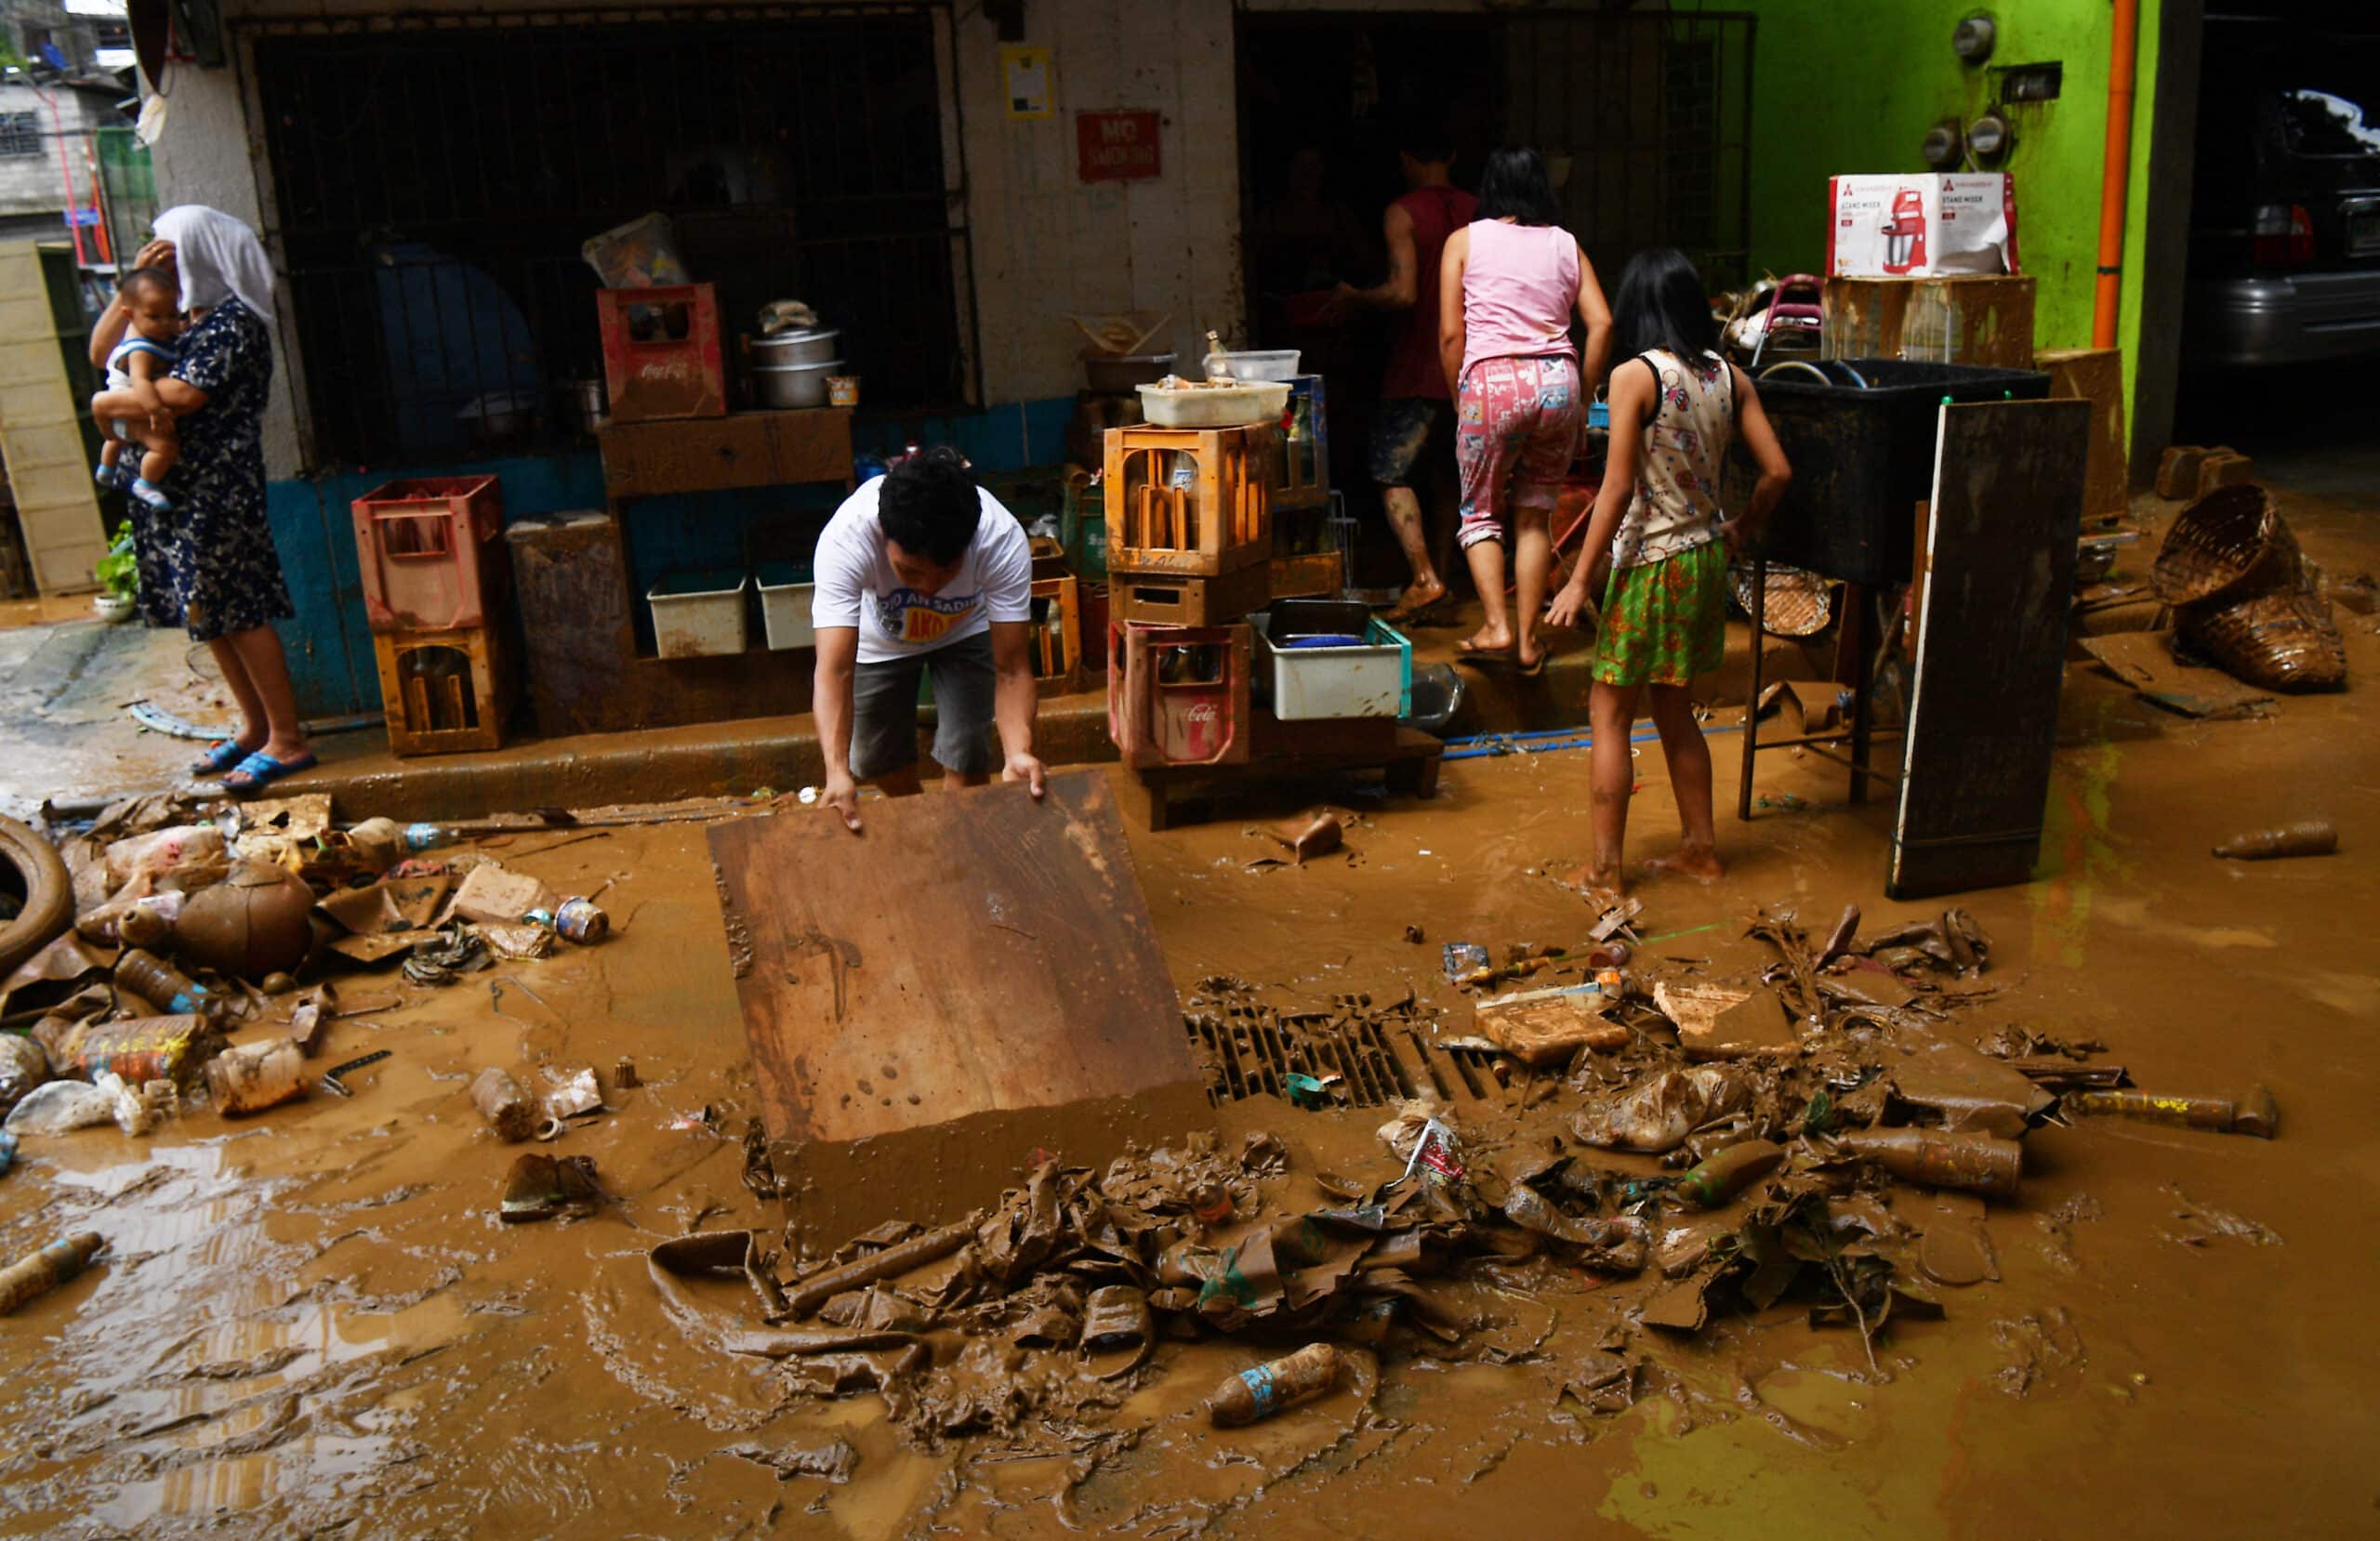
(1534, 742)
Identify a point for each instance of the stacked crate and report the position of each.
(1189, 547)
(435, 572)
(1305, 560)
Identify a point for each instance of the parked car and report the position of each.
(2284, 264)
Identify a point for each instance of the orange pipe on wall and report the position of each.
(2115, 179)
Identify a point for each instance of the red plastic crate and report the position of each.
(1178, 695)
(431, 552)
(661, 352)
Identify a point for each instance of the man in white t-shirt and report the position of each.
(920, 571)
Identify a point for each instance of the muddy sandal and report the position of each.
(221, 757)
(1117, 1332)
(261, 771)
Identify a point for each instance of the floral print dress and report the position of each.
(208, 563)
(1664, 614)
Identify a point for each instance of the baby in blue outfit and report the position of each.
(128, 411)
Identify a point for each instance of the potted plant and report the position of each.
(119, 575)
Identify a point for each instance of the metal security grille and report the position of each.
(434, 180)
(1383, 1058)
(1650, 114)
(21, 134)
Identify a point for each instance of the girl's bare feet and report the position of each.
(1699, 863)
(1602, 884)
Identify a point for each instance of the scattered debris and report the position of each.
(1544, 1028)
(503, 1106)
(37, 1273)
(253, 1077)
(1254, 1395)
(334, 1080)
(540, 1187)
(2311, 838)
(2253, 1112)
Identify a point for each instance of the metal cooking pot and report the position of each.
(816, 346)
(794, 385)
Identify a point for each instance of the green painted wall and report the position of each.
(1852, 85)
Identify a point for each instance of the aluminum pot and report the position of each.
(792, 347)
(794, 385)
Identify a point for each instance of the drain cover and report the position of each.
(1380, 1053)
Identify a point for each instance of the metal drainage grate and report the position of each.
(1249, 1050)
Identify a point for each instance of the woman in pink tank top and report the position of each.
(1508, 286)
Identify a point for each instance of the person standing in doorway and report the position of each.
(1415, 407)
(1509, 285)
(922, 572)
(207, 564)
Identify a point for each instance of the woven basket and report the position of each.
(1798, 601)
(2230, 544)
(2281, 640)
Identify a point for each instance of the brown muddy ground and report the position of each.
(312, 1322)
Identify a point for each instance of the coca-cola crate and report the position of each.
(661, 352)
(430, 552)
(1178, 695)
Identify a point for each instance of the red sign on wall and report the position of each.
(1116, 146)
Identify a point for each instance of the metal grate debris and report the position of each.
(1381, 1054)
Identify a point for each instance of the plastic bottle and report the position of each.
(254, 1076)
(504, 1105)
(2313, 837)
(153, 979)
(1978, 1163)
(37, 1273)
(422, 836)
(1211, 1203)
(1254, 1395)
(1729, 1173)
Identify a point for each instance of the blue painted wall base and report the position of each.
(330, 644)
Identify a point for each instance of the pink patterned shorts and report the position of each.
(1516, 432)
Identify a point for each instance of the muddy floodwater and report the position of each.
(312, 1322)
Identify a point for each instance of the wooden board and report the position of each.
(970, 953)
(2095, 374)
(1991, 653)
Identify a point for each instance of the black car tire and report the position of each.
(49, 895)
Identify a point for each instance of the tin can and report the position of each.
(581, 920)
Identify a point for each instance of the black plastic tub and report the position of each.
(1863, 458)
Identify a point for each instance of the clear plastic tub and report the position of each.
(1214, 406)
(786, 590)
(698, 614)
(1259, 365)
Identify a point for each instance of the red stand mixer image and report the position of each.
(1905, 232)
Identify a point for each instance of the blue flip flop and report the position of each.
(226, 754)
(262, 771)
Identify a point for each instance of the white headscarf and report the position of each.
(218, 258)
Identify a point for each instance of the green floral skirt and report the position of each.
(1665, 621)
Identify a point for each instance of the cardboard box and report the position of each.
(1908, 226)
(2096, 374)
(1977, 320)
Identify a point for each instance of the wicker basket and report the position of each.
(1798, 601)
(2230, 544)
(2281, 640)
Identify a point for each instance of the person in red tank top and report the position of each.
(1415, 411)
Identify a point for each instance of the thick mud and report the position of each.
(313, 1322)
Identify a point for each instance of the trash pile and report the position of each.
(1813, 1134)
(192, 931)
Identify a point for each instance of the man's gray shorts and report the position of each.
(884, 711)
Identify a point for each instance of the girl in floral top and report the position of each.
(1660, 537)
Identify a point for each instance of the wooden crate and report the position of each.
(1317, 574)
(445, 691)
(1057, 638)
(1189, 501)
(1980, 320)
(1165, 600)
(1178, 695)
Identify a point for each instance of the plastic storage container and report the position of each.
(1260, 364)
(1215, 406)
(1312, 678)
(698, 614)
(428, 552)
(786, 590)
(1862, 450)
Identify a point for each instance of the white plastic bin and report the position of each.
(786, 590)
(1370, 678)
(1215, 406)
(1264, 364)
(698, 614)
